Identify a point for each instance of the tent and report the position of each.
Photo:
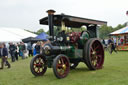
(31, 39)
(121, 38)
(43, 36)
(14, 34)
(120, 31)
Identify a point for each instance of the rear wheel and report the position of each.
(38, 65)
(94, 54)
(61, 66)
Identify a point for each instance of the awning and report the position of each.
(120, 31)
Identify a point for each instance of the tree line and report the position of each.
(106, 30)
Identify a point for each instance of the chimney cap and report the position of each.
(50, 11)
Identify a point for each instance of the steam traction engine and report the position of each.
(68, 48)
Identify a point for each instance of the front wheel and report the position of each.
(61, 66)
(38, 65)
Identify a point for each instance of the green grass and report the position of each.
(115, 72)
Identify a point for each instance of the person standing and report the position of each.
(17, 51)
(112, 45)
(37, 48)
(103, 41)
(19, 45)
(4, 56)
(12, 49)
(121, 40)
(23, 50)
(29, 48)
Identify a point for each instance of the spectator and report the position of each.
(22, 50)
(4, 56)
(12, 49)
(121, 40)
(19, 45)
(17, 51)
(37, 48)
(103, 41)
(29, 48)
(112, 45)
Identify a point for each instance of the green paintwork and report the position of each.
(74, 53)
(71, 53)
(78, 53)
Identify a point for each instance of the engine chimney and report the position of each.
(50, 22)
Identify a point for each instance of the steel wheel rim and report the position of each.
(62, 66)
(97, 54)
(39, 65)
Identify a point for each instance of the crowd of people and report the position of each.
(16, 50)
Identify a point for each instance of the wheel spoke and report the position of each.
(92, 58)
(39, 69)
(92, 49)
(93, 45)
(36, 60)
(97, 65)
(99, 56)
(96, 48)
(39, 59)
(92, 62)
(61, 71)
(91, 53)
(62, 60)
(42, 61)
(59, 65)
(35, 64)
(97, 52)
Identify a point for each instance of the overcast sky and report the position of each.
(25, 14)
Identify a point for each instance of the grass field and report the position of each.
(115, 72)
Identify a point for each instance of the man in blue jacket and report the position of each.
(4, 56)
(112, 45)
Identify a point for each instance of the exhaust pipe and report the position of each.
(50, 22)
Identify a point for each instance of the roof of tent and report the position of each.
(14, 34)
(120, 31)
(30, 39)
(42, 36)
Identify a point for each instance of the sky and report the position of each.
(25, 14)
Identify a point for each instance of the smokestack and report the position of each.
(50, 22)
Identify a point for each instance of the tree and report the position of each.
(39, 31)
(106, 30)
(120, 26)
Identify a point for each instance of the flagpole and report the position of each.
(127, 15)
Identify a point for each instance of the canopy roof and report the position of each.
(14, 34)
(71, 21)
(43, 36)
(30, 39)
(120, 31)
